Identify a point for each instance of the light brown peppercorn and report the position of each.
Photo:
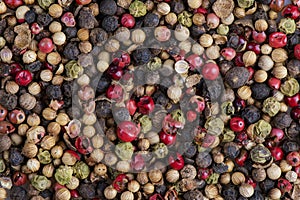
(143, 144)
(213, 52)
(155, 176)
(238, 178)
(33, 164)
(85, 47)
(171, 18)
(260, 76)
(127, 195)
(34, 88)
(259, 174)
(266, 49)
(291, 176)
(27, 101)
(57, 80)
(48, 142)
(230, 165)
(206, 40)
(163, 8)
(83, 34)
(22, 129)
(265, 62)
(73, 184)
(239, 12)
(199, 19)
(275, 193)
(280, 72)
(188, 172)
(48, 170)
(142, 178)
(244, 92)
(249, 58)
(279, 55)
(211, 191)
(63, 194)
(148, 188)
(46, 75)
(261, 25)
(225, 178)
(55, 27)
(133, 186)
(55, 10)
(62, 119)
(274, 172)
(29, 57)
(49, 114)
(53, 128)
(11, 87)
(3, 193)
(246, 190)
(110, 192)
(57, 152)
(29, 150)
(53, 58)
(33, 120)
(100, 169)
(59, 38)
(172, 176)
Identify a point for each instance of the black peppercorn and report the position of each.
(86, 18)
(15, 157)
(108, 7)
(177, 6)
(101, 187)
(229, 192)
(203, 159)
(293, 131)
(293, 67)
(193, 195)
(34, 67)
(251, 114)
(98, 36)
(272, 26)
(161, 189)
(5, 70)
(196, 31)
(70, 32)
(44, 33)
(87, 191)
(46, 194)
(17, 193)
(289, 146)
(44, 19)
(190, 149)
(9, 101)
(54, 92)
(220, 168)
(71, 51)
(260, 91)
(160, 98)
(236, 77)
(103, 84)
(3, 25)
(215, 89)
(266, 185)
(257, 196)
(30, 16)
(282, 120)
(141, 56)
(260, 14)
(9, 34)
(121, 114)
(151, 20)
(231, 150)
(110, 23)
(242, 198)
(103, 109)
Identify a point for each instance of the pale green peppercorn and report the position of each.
(81, 170)
(214, 125)
(184, 18)
(227, 108)
(138, 9)
(262, 129)
(154, 64)
(213, 179)
(271, 106)
(63, 174)
(40, 183)
(287, 25)
(160, 150)
(44, 156)
(223, 29)
(228, 135)
(73, 69)
(2, 166)
(124, 150)
(45, 3)
(178, 116)
(146, 123)
(245, 3)
(290, 87)
(260, 154)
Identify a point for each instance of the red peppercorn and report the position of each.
(46, 45)
(274, 83)
(293, 158)
(237, 124)
(115, 92)
(83, 2)
(121, 59)
(290, 11)
(146, 105)
(198, 103)
(58, 186)
(195, 61)
(128, 131)
(19, 178)
(269, 143)
(16, 116)
(293, 101)
(210, 71)
(277, 153)
(35, 28)
(295, 113)
(204, 173)
(68, 19)
(239, 104)
(13, 3)
(167, 139)
(238, 60)
(259, 37)
(277, 39)
(284, 185)
(297, 51)
(14, 68)
(127, 20)
(131, 106)
(115, 72)
(191, 115)
(120, 182)
(252, 46)
(74, 193)
(277, 133)
(201, 10)
(297, 170)
(228, 53)
(276, 5)
(23, 78)
(241, 137)
(156, 197)
(138, 162)
(3, 113)
(251, 182)
(176, 162)
(240, 160)
(83, 145)
(251, 72)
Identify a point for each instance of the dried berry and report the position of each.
(71, 51)
(231, 149)
(103, 109)
(108, 7)
(282, 121)
(141, 56)
(236, 77)
(54, 92)
(44, 19)
(110, 23)
(203, 160)
(9, 101)
(86, 18)
(260, 91)
(151, 20)
(16, 158)
(30, 16)
(251, 114)
(98, 36)
(17, 193)
(70, 32)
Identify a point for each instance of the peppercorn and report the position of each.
(203, 159)
(236, 77)
(9, 101)
(16, 158)
(98, 36)
(141, 56)
(260, 91)
(108, 7)
(266, 185)
(30, 16)
(151, 20)
(86, 18)
(71, 51)
(44, 19)
(110, 23)
(17, 192)
(231, 149)
(70, 32)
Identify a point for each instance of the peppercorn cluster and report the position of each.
(144, 99)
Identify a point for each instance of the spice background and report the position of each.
(144, 99)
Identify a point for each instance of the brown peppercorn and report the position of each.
(172, 176)
(49, 114)
(29, 150)
(280, 72)
(171, 18)
(27, 101)
(33, 164)
(211, 191)
(63, 194)
(261, 25)
(225, 178)
(46, 75)
(279, 55)
(230, 165)
(244, 92)
(34, 88)
(155, 176)
(291, 176)
(110, 192)
(54, 58)
(11, 87)
(142, 178)
(83, 34)
(206, 40)
(274, 172)
(259, 174)
(246, 190)
(249, 58)
(5, 143)
(238, 178)
(265, 62)
(133, 186)
(148, 188)
(260, 76)
(48, 170)
(55, 10)
(284, 166)
(188, 172)
(57, 152)
(127, 195)
(48, 142)
(55, 27)
(53, 128)
(274, 193)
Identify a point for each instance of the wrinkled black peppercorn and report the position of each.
(293, 131)
(231, 150)
(190, 150)
(44, 19)
(196, 31)
(282, 120)
(260, 14)
(70, 32)
(193, 195)
(9, 101)
(141, 56)
(236, 77)
(251, 114)
(203, 160)
(108, 7)
(34, 67)
(120, 114)
(30, 16)
(110, 23)
(257, 196)
(289, 146)
(17, 193)
(266, 185)
(260, 91)
(214, 89)
(177, 6)
(54, 92)
(67, 88)
(103, 84)
(71, 51)
(3, 25)
(15, 157)
(87, 191)
(98, 36)
(229, 192)
(151, 20)
(220, 168)
(86, 18)
(103, 109)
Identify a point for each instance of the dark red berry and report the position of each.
(176, 162)
(127, 20)
(290, 11)
(277, 39)
(167, 139)
(210, 71)
(277, 153)
(252, 46)
(240, 160)
(120, 182)
(295, 113)
(204, 173)
(115, 92)
(238, 60)
(83, 145)
(259, 37)
(13, 3)
(19, 178)
(293, 101)
(23, 78)
(297, 51)
(146, 105)
(277, 133)
(128, 131)
(274, 83)
(15, 68)
(237, 124)
(115, 72)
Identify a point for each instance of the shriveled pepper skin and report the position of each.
(6, 127)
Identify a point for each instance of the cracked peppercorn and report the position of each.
(110, 23)
(44, 19)
(141, 56)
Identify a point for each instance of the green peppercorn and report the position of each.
(124, 150)
(262, 129)
(245, 3)
(228, 135)
(73, 69)
(45, 3)
(213, 179)
(40, 183)
(227, 108)
(271, 106)
(214, 125)
(290, 87)
(178, 116)
(154, 64)
(63, 174)
(138, 9)
(146, 123)
(81, 170)
(287, 25)
(2, 166)
(260, 154)
(223, 29)
(185, 19)
(160, 150)
(44, 156)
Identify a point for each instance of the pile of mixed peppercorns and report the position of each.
(149, 99)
